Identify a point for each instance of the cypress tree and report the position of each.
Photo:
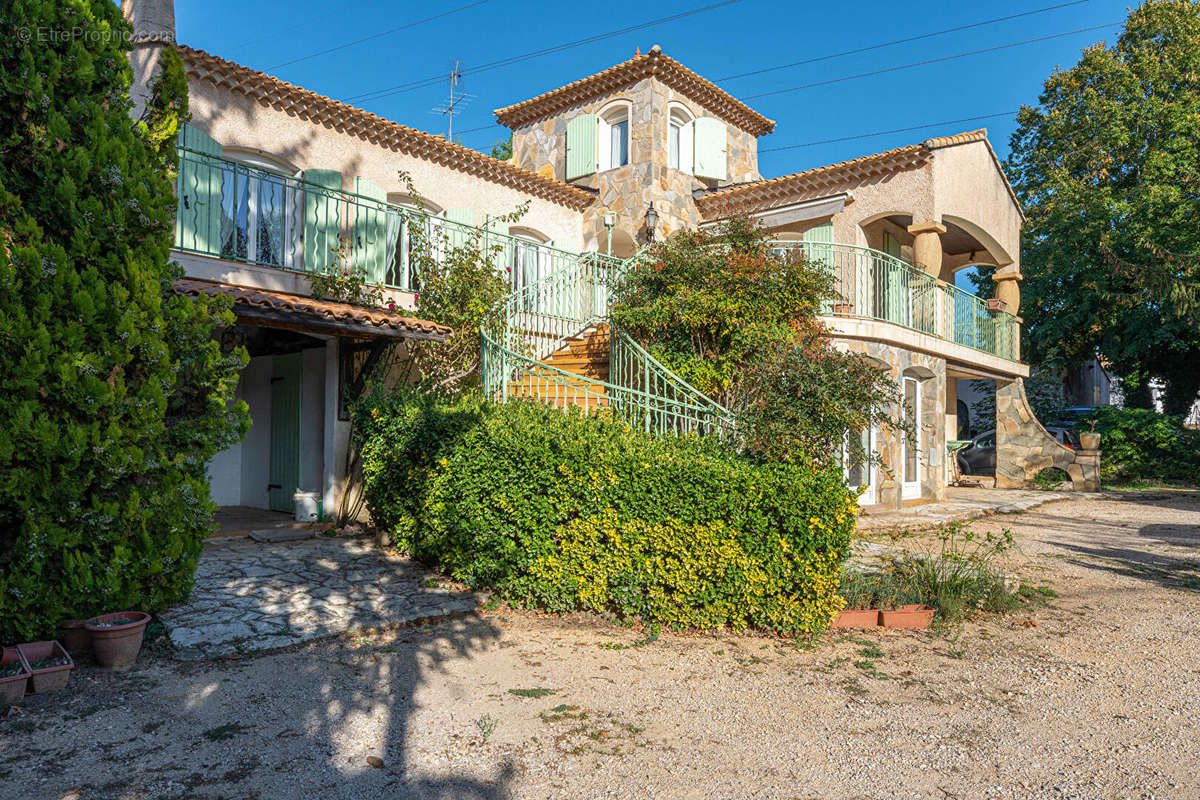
(114, 393)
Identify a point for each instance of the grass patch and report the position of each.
(534, 693)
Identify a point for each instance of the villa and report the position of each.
(276, 181)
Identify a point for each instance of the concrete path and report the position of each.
(960, 504)
(251, 596)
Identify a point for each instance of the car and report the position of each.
(979, 457)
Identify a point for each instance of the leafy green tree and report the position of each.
(1107, 166)
(502, 149)
(114, 393)
(738, 320)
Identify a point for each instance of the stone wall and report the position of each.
(1024, 448)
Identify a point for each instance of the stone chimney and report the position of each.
(153, 24)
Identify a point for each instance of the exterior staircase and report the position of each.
(550, 341)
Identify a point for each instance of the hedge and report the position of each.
(1141, 444)
(562, 512)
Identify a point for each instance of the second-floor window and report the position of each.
(679, 139)
(613, 141)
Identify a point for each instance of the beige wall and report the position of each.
(970, 191)
(242, 124)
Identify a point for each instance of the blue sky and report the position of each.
(730, 40)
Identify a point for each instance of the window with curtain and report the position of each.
(613, 141)
(259, 212)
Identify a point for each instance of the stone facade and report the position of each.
(930, 373)
(1024, 448)
(629, 190)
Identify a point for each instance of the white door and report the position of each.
(860, 469)
(911, 462)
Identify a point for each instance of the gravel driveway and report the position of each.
(1096, 696)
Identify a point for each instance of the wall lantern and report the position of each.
(651, 222)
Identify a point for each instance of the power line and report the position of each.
(379, 94)
(378, 35)
(926, 62)
(895, 42)
(340, 12)
(885, 133)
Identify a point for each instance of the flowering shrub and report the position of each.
(563, 512)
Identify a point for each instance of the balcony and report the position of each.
(255, 216)
(876, 286)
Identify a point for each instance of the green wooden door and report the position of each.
(285, 432)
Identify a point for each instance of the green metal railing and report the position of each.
(230, 210)
(544, 316)
(875, 285)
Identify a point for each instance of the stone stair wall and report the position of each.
(1024, 448)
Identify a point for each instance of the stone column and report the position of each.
(1008, 289)
(927, 246)
(153, 24)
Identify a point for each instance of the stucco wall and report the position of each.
(240, 123)
(969, 190)
(312, 420)
(254, 386)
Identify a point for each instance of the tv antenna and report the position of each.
(456, 102)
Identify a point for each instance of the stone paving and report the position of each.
(251, 596)
(960, 504)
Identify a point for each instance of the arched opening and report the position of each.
(613, 139)
(680, 138)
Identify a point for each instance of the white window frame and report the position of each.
(910, 487)
(870, 494)
(679, 120)
(613, 114)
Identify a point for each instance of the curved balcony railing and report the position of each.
(875, 285)
(542, 317)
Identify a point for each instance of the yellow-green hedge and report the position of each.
(561, 512)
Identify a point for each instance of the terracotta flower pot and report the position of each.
(910, 616)
(43, 676)
(75, 636)
(12, 688)
(996, 304)
(117, 638)
(856, 618)
(1089, 441)
(843, 307)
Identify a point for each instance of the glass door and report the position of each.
(911, 486)
(860, 467)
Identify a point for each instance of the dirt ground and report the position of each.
(1095, 696)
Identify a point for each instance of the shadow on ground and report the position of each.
(330, 720)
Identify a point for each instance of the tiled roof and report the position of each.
(323, 110)
(822, 181)
(251, 302)
(810, 184)
(653, 63)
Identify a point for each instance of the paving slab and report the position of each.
(961, 504)
(251, 595)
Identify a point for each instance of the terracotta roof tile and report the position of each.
(386, 323)
(372, 128)
(813, 183)
(663, 67)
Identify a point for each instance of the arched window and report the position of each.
(613, 141)
(680, 138)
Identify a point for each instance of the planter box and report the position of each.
(912, 617)
(12, 688)
(996, 304)
(46, 679)
(856, 618)
(843, 308)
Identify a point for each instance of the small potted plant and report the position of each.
(1090, 440)
(995, 304)
(117, 638)
(13, 677)
(47, 663)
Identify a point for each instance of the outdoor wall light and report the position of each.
(651, 222)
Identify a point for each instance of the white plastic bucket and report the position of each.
(306, 505)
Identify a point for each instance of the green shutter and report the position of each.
(198, 190)
(502, 248)
(284, 470)
(581, 146)
(322, 227)
(891, 245)
(458, 235)
(816, 246)
(710, 149)
(370, 245)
